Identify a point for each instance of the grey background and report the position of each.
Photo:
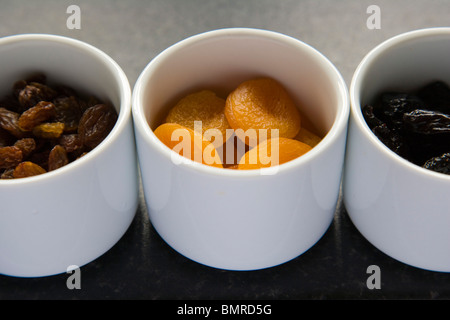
(141, 265)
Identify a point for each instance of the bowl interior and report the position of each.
(403, 63)
(63, 60)
(221, 60)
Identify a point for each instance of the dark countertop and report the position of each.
(141, 265)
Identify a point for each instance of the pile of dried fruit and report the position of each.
(415, 125)
(43, 128)
(261, 105)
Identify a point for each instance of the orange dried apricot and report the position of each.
(204, 106)
(262, 103)
(308, 137)
(196, 147)
(262, 156)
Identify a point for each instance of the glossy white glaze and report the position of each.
(402, 209)
(241, 220)
(72, 215)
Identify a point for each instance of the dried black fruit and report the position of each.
(415, 125)
(427, 122)
(439, 164)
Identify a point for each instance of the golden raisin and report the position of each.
(26, 145)
(262, 103)
(27, 169)
(10, 157)
(34, 116)
(49, 130)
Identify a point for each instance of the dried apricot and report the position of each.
(308, 137)
(188, 143)
(272, 152)
(262, 103)
(204, 106)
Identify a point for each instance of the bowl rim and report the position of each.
(355, 89)
(339, 124)
(124, 108)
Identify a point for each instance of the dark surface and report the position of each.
(141, 265)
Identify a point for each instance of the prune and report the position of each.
(394, 105)
(415, 125)
(427, 122)
(7, 174)
(437, 95)
(39, 127)
(57, 158)
(10, 157)
(27, 169)
(439, 164)
(388, 135)
(35, 115)
(96, 123)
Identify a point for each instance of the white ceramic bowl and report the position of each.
(401, 208)
(72, 215)
(241, 220)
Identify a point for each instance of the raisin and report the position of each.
(10, 102)
(57, 158)
(26, 145)
(34, 116)
(9, 121)
(67, 111)
(49, 130)
(27, 169)
(6, 139)
(439, 164)
(70, 142)
(96, 123)
(35, 92)
(10, 157)
(40, 158)
(39, 127)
